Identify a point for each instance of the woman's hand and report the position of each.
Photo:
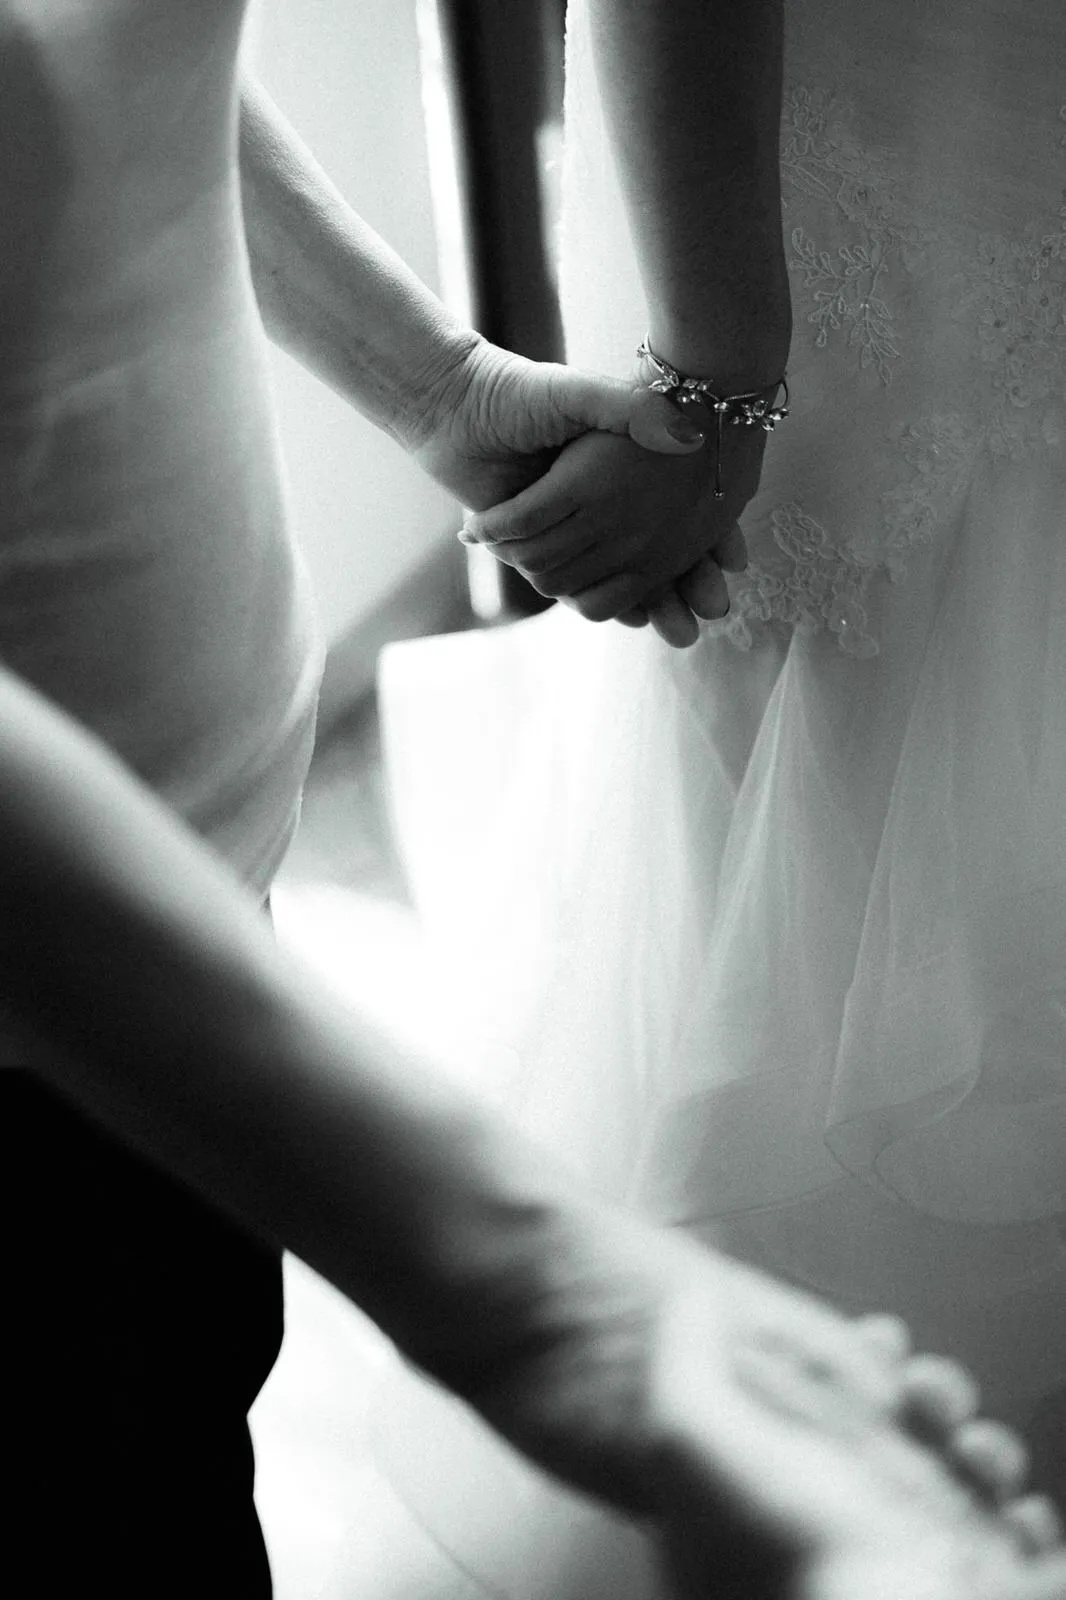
(583, 448)
(613, 526)
(623, 1334)
(754, 1428)
(494, 423)
(570, 480)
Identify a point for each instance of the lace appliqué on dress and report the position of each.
(821, 161)
(816, 583)
(940, 452)
(814, 580)
(1012, 291)
(1014, 294)
(1010, 296)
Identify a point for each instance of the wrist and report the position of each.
(759, 406)
(434, 387)
(573, 1388)
(742, 343)
(737, 359)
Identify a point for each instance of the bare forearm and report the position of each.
(692, 96)
(173, 1019)
(331, 292)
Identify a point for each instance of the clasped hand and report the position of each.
(590, 488)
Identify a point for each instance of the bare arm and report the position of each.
(170, 1016)
(330, 290)
(691, 92)
(482, 421)
(178, 1023)
(692, 95)
(610, 1353)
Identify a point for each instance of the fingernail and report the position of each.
(466, 538)
(683, 429)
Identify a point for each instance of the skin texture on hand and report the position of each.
(612, 524)
(498, 423)
(484, 423)
(691, 99)
(557, 451)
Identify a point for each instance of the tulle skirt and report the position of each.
(768, 937)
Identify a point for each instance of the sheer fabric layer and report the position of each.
(788, 911)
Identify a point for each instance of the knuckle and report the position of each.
(611, 600)
(596, 608)
(481, 524)
(490, 529)
(498, 533)
(501, 554)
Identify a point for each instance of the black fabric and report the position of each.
(138, 1325)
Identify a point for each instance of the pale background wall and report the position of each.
(346, 74)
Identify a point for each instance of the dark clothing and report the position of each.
(139, 1325)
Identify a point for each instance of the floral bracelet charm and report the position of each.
(753, 410)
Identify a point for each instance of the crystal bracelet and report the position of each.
(753, 410)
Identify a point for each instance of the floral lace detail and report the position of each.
(846, 294)
(814, 583)
(1010, 291)
(1014, 291)
(940, 451)
(813, 580)
(1015, 294)
(1008, 296)
(821, 160)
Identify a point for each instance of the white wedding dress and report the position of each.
(771, 933)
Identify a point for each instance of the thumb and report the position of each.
(614, 406)
(592, 401)
(656, 423)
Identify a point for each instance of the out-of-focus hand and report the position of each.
(755, 1429)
